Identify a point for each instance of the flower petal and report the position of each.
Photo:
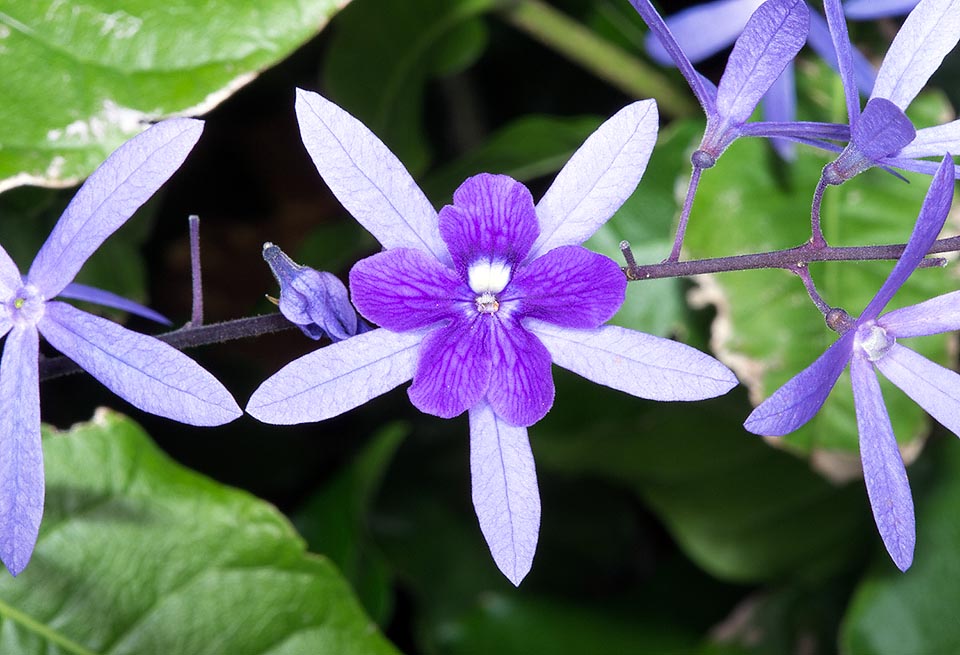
(931, 31)
(75, 291)
(109, 198)
(367, 178)
(329, 381)
(870, 9)
(933, 387)
(934, 141)
(318, 302)
(404, 289)
(803, 395)
(569, 286)
(933, 214)
(780, 106)
(821, 41)
(492, 217)
(521, 385)
(698, 84)
(505, 494)
(934, 316)
(10, 281)
(21, 455)
(881, 130)
(599, 177)
(843, 56)
(145, 372)
(703, 30)
(640, 364)
(883, 470)
(453, 373)
(771, 39)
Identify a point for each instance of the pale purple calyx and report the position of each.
(873, 340)
(27, 305)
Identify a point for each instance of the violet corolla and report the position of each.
(147, 373)
(704, 30)
(475, 303)
(315, 301)
(870, 342)
(882, 135)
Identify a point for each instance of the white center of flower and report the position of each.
(487, 279)
(875, 341)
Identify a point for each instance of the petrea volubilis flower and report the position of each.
(315, 301)
(146, 372)
(882, 135)
(475, 303)
(704, 30)
(871, 9)
(871, 342)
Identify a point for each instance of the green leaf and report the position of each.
(916, 611)
(334, 521)
(740, 510)
(139, 555)
(513, 624)
(383, 54)
(766, 328)
(80, 78)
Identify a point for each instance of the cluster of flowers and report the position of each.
(475, 303)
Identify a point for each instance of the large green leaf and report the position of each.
(742, 511)
(80, 78)
(766, 327)
(139, 555)
(916, 611)
(382, 55)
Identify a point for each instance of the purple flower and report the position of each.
(770, 40)
(315, 301)
(144, 371)
(704, 30)
(871, 341)
(476, 302)
(882, 135)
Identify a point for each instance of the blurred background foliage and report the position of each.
(666, 528)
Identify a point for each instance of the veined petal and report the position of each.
(505, 494)
(930, 385)
(843, 55)
(109, 197)
(569, 286)
(796, 402)
(771, 39)
(453, 373)
(882, 130)
(144, 371)
(75, 291)
(931, 31)
(329, 381)
(367, 178)
(521, 384)
(703, 30)
(883, 470)
(934, 316)
(404, 289)
(599, 177)
(318, 302)
(492, 217)
(640, 364)
(10, 280)
(21, 455)
(698, 84)
(933, 214)
(934, 141)
(870, 9)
